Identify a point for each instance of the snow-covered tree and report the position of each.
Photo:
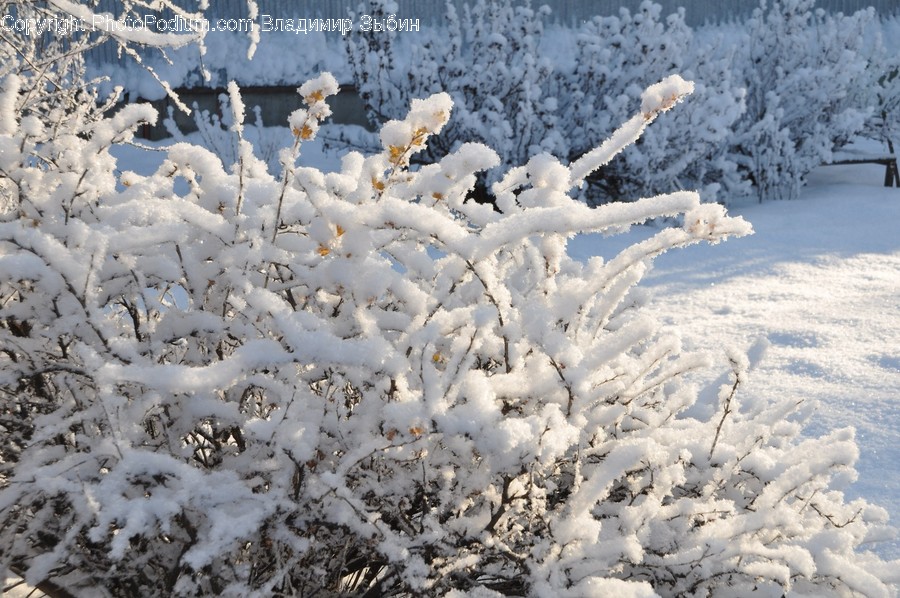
(616, 58)
(43, 44)
(217, 380)
(512, 96)
(879, 90)
(488, 60)
(214, 132)
(45, 41)
(800, 66)
(885, 122)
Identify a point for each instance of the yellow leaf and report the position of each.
(396, 152)
(306, 132)
(437, 196)
(416, 431)
(419, 136)
(323, 251)
(377, 184)
(314, 97)
(340, 230)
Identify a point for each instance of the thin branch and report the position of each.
(726, 410)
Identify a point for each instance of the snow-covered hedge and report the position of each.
(220, 381)
(880, 88)
(801, 68)
(522, 98)
(487, 59)
(774, 98)
(615, 58)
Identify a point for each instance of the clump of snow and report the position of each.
(432, 113)
(662, 96)
(315, 90)
(8, 99)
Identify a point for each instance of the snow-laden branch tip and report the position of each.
(658, 98)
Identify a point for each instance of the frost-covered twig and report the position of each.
(727, 394)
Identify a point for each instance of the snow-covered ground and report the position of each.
(821, 279)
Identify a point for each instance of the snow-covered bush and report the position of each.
(885, 121)
(45, 40)
(771, 104)
(800, 66)
(214, 132)
(616, 58)
(218, 381)
(490, 63)
(512, 96)
(880, 90)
